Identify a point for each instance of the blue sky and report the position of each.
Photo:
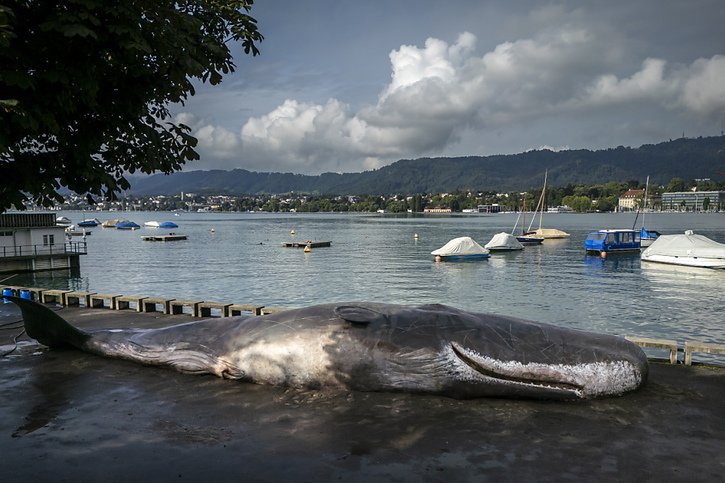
(347, 86)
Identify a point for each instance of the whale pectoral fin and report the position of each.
(358, 314)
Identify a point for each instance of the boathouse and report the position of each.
(31, 242)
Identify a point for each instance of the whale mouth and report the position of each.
(515, 375)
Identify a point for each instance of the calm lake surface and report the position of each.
(377, 258)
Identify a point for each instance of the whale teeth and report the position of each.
(479, 367)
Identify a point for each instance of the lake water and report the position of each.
(377, 258)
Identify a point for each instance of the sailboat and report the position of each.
(646, 237)
(525, 239)
(546, 233)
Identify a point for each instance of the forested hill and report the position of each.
(683, 158)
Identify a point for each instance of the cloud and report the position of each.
(703, 86)
(441, 91)
(648, 83)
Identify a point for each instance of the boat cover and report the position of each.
(126, 225)
(461, 246)
(504, 241)
(686, 245)
(549, 233)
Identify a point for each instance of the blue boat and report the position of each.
(612, 241)
(127, 225)
(89, 223)
(168, 224)
(648, 237)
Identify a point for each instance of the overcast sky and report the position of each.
(347, 86)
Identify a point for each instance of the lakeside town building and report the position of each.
(630, 200)
(693, 201)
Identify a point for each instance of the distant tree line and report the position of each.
(581, 198)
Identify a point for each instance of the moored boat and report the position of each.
(612, 241)
(63, 221)
(127, 225)
(687, 249)
(503, 242)
(461, 248)
(89, 223)
(111, 223)
(526, 240)
(546, 233)
(648, 237)
(156, 224)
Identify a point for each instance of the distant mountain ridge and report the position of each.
(684, 158)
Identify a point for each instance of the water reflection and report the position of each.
(683, 283)
(597, 265)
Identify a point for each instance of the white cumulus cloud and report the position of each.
(440, 92)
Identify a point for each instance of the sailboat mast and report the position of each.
(644, 210)
(539, 205)
(640, 206)
(523, 212)
(543, 198)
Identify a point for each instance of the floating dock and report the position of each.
(164, 238)
(303, 244)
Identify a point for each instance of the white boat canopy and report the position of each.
(688, 245)
(461, 246)
(504, 241)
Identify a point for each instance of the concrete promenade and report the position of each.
(71, 416)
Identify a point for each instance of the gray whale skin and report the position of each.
(432, 349)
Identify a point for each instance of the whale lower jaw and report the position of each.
(572, 381)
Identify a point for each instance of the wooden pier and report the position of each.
(308, 243)
(138, 303)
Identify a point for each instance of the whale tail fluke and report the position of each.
(46, 326)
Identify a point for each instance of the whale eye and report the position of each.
(357, 314)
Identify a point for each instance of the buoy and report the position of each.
(415, 235)
(603, 254)
(308, 249)
(8, 292)
(213, 230)
(25, 294)
(292, 232)
(438, 258)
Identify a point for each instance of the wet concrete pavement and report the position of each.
(70, 416)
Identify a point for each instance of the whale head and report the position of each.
(440, 349)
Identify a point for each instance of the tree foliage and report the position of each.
(86, 85)
(688, 158)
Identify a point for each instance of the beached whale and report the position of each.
(432, 349)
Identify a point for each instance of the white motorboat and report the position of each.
(503, 242)
(462, 248)
(688, 249)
